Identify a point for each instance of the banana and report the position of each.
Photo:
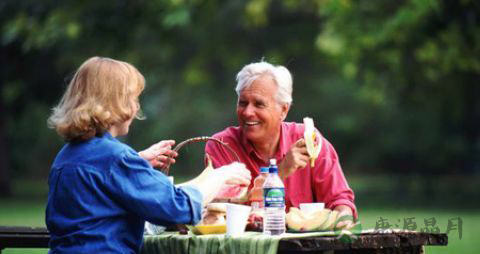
(329, 223)
(309, 135)
(317, 219)
(295, 219)
(301, 221)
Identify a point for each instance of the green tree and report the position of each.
(418, 62)
(393, 84)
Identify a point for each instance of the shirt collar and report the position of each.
(109, 136)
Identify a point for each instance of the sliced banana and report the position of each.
(309, 136)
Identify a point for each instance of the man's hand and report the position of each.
(342, 211)
(160, 153)
(296, 158)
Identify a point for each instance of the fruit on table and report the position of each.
(214, 214)
(255, 221)
(232, 192)
(309, 135)
(228, 192)
(298, 220)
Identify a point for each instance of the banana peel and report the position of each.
(309, 135)
(209, 161)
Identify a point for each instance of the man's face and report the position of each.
(259, 114)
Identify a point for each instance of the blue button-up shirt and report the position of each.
(101, 192)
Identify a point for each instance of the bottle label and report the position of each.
(274, 197)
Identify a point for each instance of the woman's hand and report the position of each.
(160, 153)
(234, 174)
(296, 158)
(211, 180)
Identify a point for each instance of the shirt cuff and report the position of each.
(196, 201)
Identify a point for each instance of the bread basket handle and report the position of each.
(166, 168)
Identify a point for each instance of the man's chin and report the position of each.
(252, 136)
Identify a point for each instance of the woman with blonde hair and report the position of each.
(101, 191)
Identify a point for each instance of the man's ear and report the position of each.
(285, 109)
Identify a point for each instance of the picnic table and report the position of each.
(369, 241)
(23, 237)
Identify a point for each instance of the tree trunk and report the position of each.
(471, 124)
(5, 189)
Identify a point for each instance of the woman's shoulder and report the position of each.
(116, 155)
(97, 149)
(109, 145)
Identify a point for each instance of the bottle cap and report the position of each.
(264, 169)
(273, 162)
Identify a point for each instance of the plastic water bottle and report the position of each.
(274, 201)
(256, 196)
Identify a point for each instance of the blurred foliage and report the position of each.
(394, 85)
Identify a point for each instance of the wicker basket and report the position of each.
(166, 168)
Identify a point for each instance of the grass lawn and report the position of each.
(471, 221)
(22, 213)
(31, 213)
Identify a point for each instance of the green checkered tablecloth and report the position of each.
(248, 243)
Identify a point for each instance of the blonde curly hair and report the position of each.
(99, 95)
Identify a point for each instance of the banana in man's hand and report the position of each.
(309, 135)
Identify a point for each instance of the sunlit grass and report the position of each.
(28, 209)
(23, 213)
(471, 221)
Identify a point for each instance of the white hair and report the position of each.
(280, 74)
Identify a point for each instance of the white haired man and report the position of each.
(264, 98)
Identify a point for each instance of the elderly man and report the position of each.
(264, 98)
